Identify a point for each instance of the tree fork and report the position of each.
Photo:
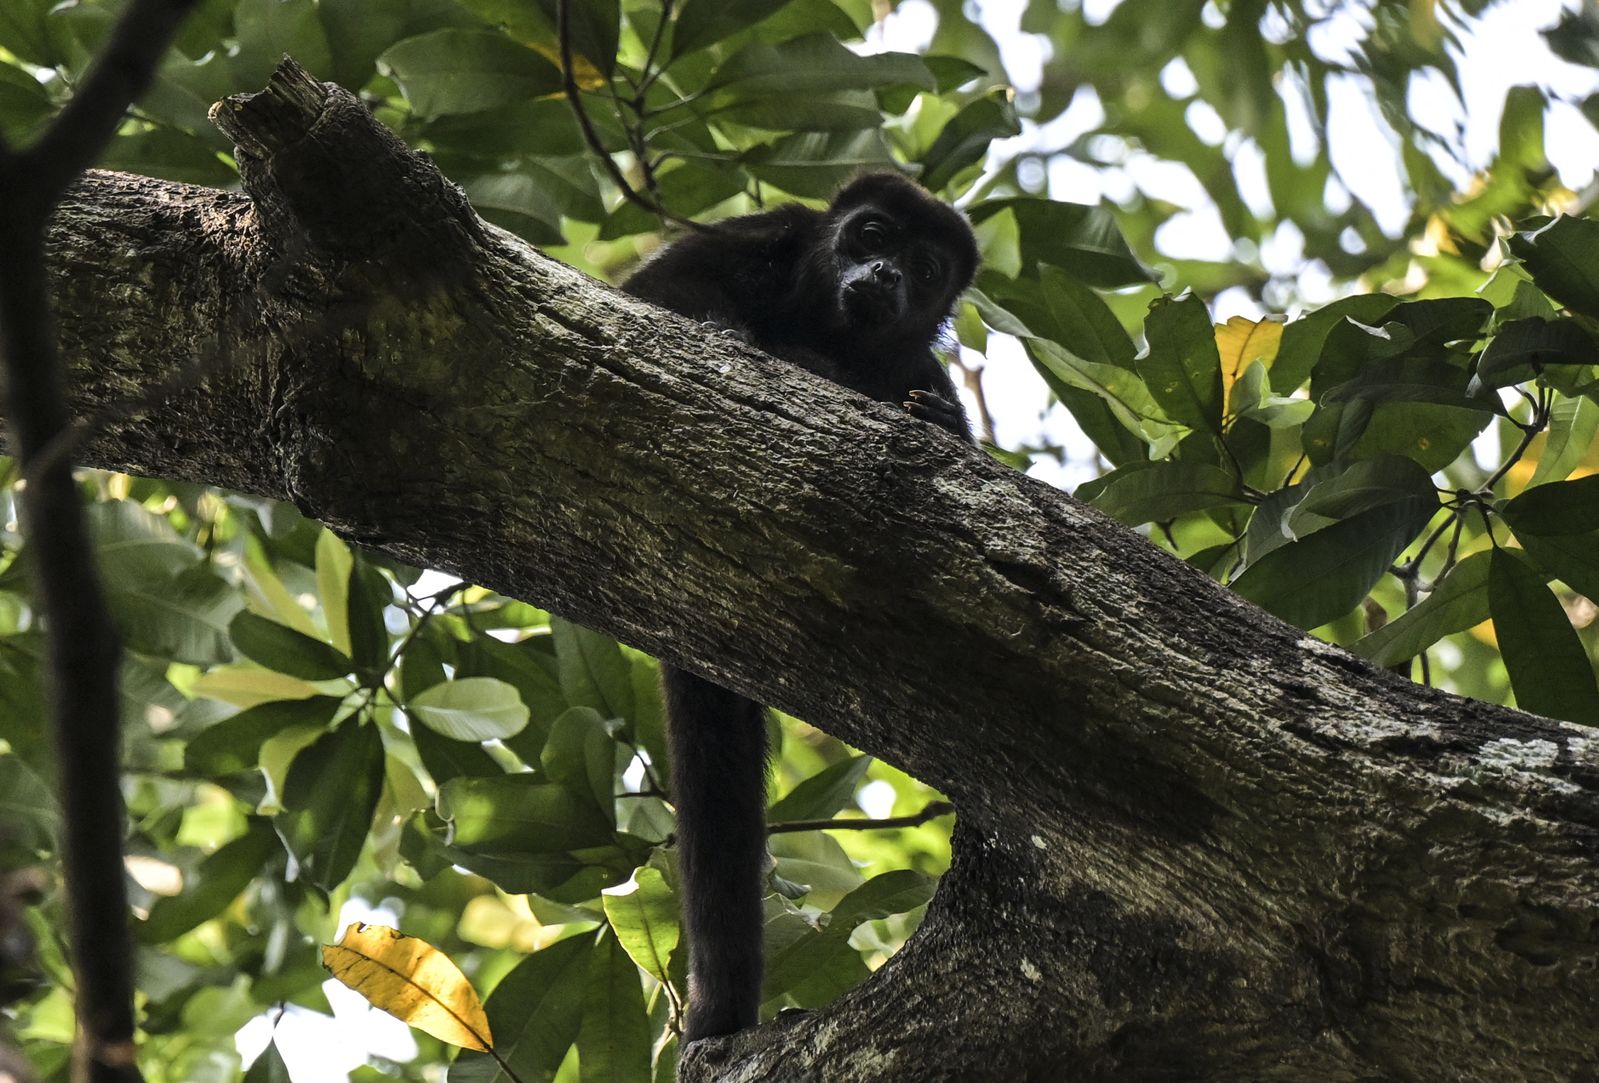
(1193, 842)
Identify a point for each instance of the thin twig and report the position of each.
(933, 811)
(574, 97)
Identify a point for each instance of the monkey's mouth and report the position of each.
(866, 302)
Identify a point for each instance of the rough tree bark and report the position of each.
(1193, 842)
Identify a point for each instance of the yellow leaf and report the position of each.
(584, 72)
(1242, 342)
(412, 981)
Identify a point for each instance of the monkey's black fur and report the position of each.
(859, 294)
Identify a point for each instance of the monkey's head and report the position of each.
(902, 258)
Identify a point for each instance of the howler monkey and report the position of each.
(857, 293)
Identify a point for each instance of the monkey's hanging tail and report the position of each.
(718, 742)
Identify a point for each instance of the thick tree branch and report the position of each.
(1193, 842)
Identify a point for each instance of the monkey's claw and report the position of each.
(928, 406)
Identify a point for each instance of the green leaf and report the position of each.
(816, 164)
(1321, 577)
(1181, 367)
(183, 618)
(446, 759)
(579, 755)
(1304, 338)
(1457, 603)
(464, 71)
(269, 1067)
(594, 673)
(267, 29)
(23, 31)
(132, 543)
(1559, 507)
(369, 594)
(329, 797)
(643, 915)
(965, 139)
(27, 808)
(1573, 425)
(471, 709)
(1559, 256)
(1145, 492)
(517, 814)
(282, 649)
(1388, 479)
(816, 860)
(613, 1043)
(234, 744)
(1571, 558)
(212, 886)
(333, 564)
(891, 893)
(823, 794)
(1523, 348)
(25, 106)
(706, 22)
(1083, 241)
(1550, 672)
(533, 1015)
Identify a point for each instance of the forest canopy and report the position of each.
(1375, 419)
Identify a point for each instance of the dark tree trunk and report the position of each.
(1194, 842)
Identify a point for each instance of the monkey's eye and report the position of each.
(926, 270)
(874, 234)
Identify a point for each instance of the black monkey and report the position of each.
(858, 293)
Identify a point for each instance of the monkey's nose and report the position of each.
(886, 273)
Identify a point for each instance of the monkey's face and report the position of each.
(891, 279)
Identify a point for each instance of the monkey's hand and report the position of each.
(930, 406)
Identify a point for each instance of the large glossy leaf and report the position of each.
(1389, 479)
(823, 794)
(1146, 492)
(1319, 578)
(212, 886)
(891, 893)
(184, 618)
(643, 915)
(535, 1013)
(580, 756)
(1559, 256)
(1181, 366)
(1571, 558)
(267, 29)
(464, 71)
(816, 164)
(1458, 602)
(329, 797)
(233, 744)
(1084, 241)
(1573, 425)
(1550, 671)
(471, 709)
(1560, 507)
(965, 139)
(705, 22)
(517, 814)
(594, 673)
(1523, 348)
(613, 1043)
(1304, 338)
(284, 650)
